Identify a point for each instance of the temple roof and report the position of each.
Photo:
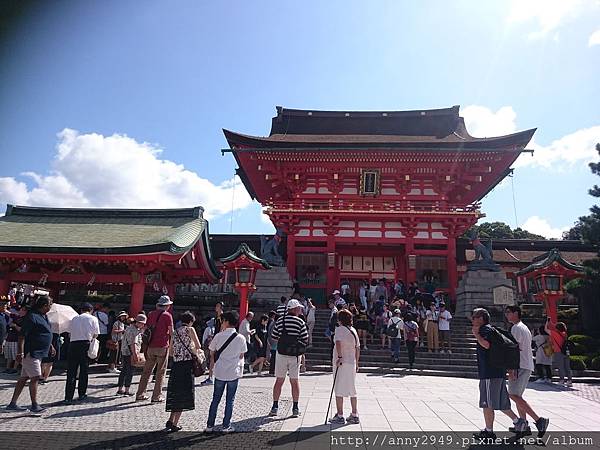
(102, 231)
(547, 259)
(244, 250)
(440, 129)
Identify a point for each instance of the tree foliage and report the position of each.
(587, 229)
(500, 230)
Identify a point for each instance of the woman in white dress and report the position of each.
(346, 354)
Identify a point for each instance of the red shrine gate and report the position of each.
(372, 194)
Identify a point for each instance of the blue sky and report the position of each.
(121, 103)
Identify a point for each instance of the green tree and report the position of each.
(500, 230)
(590, 227)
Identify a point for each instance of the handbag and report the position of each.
(140, 362)
(198, 361)
(93, 349)
(548, 350)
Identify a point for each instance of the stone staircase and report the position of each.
(271, 285)
(462, 362)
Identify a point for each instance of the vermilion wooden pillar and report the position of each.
(291, 255)
(451, 266)
(137, 295)
(4, 286)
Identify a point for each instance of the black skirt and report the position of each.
(180, 389)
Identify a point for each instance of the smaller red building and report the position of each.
(106, 250)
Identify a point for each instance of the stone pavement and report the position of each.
(394, 403)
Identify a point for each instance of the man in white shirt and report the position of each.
(227, 350)
(518, 379)
(444, 318)
(82, 330)
(244, 329)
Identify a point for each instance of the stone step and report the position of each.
(404, 359)
(403, 371)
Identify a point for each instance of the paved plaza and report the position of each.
(386, 404)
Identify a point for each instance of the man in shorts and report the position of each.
(288, 328)
(493, 395)
(35, 343)
(518, 379)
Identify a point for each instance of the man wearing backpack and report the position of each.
(291, 335)
(493, 395)
(394, 331)
(518, 379)
(157, 337)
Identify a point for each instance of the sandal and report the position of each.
(158, 400)
(141, 398)
(128, 394)
(119, 392)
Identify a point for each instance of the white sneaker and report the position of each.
(114, 370)
(442, 351)
(569, 383)
(229, 429)
(208, 430)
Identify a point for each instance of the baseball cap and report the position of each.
(397, 311)
(293, 303)
(335, 292)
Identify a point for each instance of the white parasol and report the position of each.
(60, 317)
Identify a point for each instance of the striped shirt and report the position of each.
(294, 326)
(281, 309)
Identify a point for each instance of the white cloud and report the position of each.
(578, 147)
(540, 226)
(549, 14)
(594, 38)
(119, 172)
(483, 122)
(575, 148)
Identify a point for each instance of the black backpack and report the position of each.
(289, 345)
(504, 350)
(392, 329)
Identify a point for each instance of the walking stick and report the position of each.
(331, 395)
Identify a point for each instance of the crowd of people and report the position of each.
(391, 316)
(227, 347)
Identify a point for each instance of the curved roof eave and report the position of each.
(234, 139)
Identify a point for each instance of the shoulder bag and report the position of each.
(198, 361)
(225, 345)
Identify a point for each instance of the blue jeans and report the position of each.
(396, 347)
(229, 398)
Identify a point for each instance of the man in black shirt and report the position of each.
(493, 394)
(35, 343)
